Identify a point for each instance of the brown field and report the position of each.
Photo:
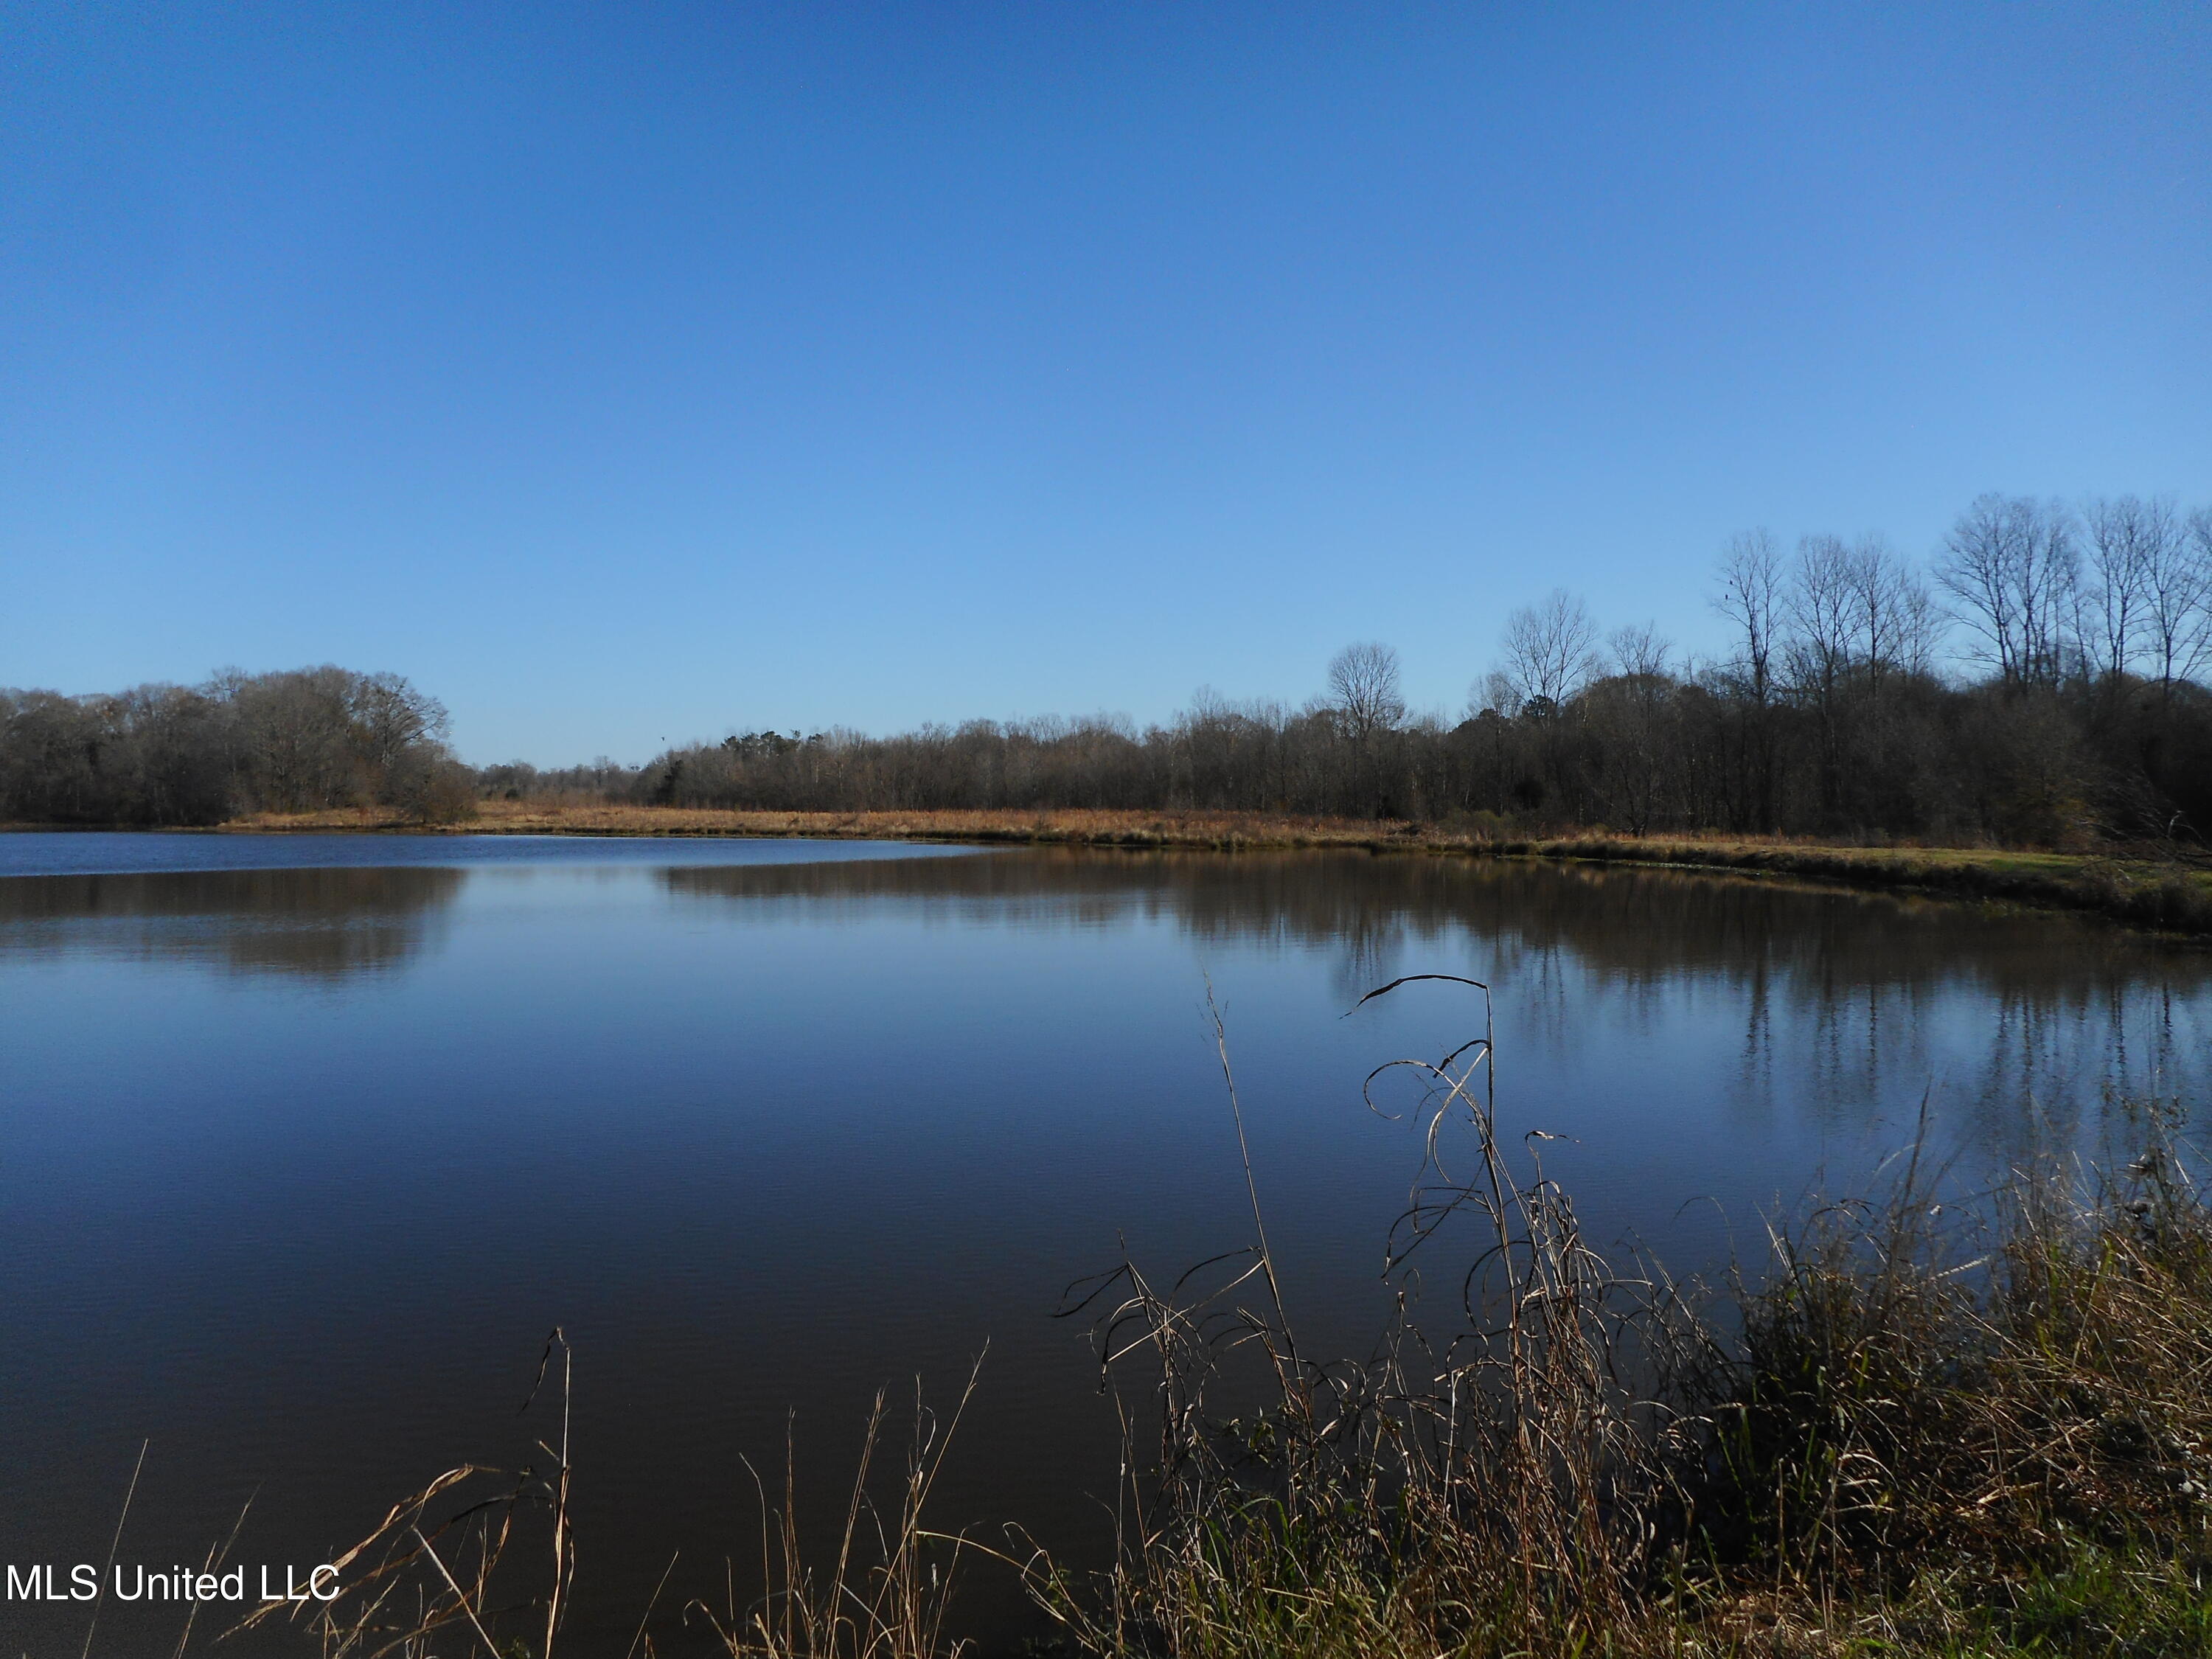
(1132, 829)
(2135, 887)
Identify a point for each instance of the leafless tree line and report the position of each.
(286, 741)
(2038, 681)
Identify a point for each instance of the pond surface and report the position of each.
(306, 1143)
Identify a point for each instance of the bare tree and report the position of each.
(1551, 651)
(1631, 712)
(1922, 623)
(2011, 563)
(1493, 694)
(1820, 601)
(1363, 684)
(2050, 572)
(2178, 598)
(1975, 570)
(391, 718)
(1640, 653)
(2124, 532)
(1892, 616)
(1367, 706)
(1751, 598)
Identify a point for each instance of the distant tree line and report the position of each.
(289, 742)
(2039, 681)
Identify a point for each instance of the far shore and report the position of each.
(2141, 886)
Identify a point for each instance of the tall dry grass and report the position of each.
(1497, 1477)
(482, 1562)
(1921, 1423)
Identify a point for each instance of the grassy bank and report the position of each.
(2143, 890)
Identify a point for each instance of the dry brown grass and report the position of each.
(1081, 827)
(482, 1562)
(1915, 1428)
(1483, 1484)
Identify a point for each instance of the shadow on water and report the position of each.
(1629, 925)
(1857, 974)
(326, 925)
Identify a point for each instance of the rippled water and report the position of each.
(306, 1142)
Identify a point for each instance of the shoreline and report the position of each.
(2159, 895)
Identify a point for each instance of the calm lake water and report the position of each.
(306, 1143)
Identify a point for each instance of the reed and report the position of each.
(1493, 1480)
(1917, 1424)
(481, 1561)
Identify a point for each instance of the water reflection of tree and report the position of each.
(1850, 1002)
(327, 925)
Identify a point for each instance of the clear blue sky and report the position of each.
(630, 372)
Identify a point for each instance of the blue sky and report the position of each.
(623, 372)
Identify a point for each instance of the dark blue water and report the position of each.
(306, 1143)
